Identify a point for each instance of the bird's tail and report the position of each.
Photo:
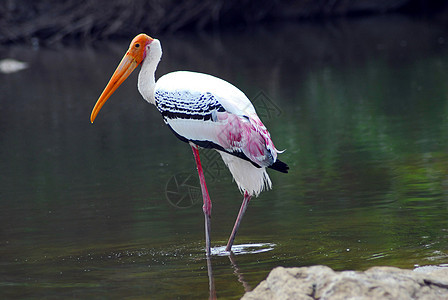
(280, 166)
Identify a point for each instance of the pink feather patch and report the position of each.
(247, 135)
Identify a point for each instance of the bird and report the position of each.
(205, 112)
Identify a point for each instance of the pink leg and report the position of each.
(207, 207)
(238, 220)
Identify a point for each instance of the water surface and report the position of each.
(113, 209)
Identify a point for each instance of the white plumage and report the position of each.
(250, 179)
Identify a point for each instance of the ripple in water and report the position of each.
(243, 249)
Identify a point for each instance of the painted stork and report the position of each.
(205, 112)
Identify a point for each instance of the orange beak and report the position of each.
(124, 69)
(133, 57)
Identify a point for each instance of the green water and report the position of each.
(112, 210)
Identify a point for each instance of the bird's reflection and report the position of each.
(236, 271)
(211, 279)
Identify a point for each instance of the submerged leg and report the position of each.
(207, 207)
(238, 220)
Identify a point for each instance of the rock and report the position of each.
(321, 282)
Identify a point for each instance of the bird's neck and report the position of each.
(146, 77)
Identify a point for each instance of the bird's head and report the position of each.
(134, 56)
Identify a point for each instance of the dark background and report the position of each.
(51, 21)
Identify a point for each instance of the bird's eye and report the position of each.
(137, 45)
